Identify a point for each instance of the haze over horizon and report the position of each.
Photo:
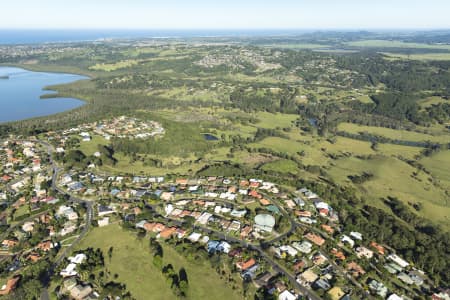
(233, 14)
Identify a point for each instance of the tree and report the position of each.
(110, 252)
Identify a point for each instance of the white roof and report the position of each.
(347, 239)
(394, 297)
(356, 235)
(286, 295)
(78, 259)
(194, 237)
(265, 220)
(321, 204)
(398, 260)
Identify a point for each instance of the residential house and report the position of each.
(245, 265)
(378, 288)
(10, 285)
(355, 269)
(80, 292)
(364, 252)
(308, 277)
(398, 260)
(304, 247)
(377, 247)
(286, 295)
(338, 254)
(356, 235)
(314, 238)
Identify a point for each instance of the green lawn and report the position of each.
(269, 120)
(279, 144)
(22, 210)
(281, 166)
(89, 148)
(132, 260)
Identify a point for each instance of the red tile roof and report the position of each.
(246, 265)
(315, 239)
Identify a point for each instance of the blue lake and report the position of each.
(20, 94)
(210, 137)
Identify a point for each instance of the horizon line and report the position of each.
(235, 28)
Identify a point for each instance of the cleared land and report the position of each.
(394, 134)
(423, 56)
(132, 261)
(395, 44)
(439, 166)
(114, 66)
(281, 166)
(392, 177)
(430, 101)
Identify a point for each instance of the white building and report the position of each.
(286, 295)
(398, 260)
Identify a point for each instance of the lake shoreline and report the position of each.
(25, 88)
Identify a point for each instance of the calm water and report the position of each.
(20, 94)
(210, 137)
(29, 36)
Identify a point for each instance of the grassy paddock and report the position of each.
(395, 44)
(430, 101)
(403, 135)
(423, 56)
(393, 177)
(132, 261)
(281, 166)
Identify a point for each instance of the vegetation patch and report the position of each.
(132, 260)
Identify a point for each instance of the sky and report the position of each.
(228, 14)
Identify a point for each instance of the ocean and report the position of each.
(38, 36)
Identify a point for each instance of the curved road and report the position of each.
(87, 224)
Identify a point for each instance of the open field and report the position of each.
(430, 101)
(297, 46)
(89, 148)
(132, 261)
(423, 56)
(439, 166)
(172, 164)
(407, 152)
(269, 120)
(393, 177)
(114, 66)
(344, 145)
(184, 94)
(394, 134)
(395, 44)
(281, 166)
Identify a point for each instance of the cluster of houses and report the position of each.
(162, 230)
(216, 203)
(219, 204)
(23, 170)
(119, 127)
(237, 60)
(71, 285)
(312, 265)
